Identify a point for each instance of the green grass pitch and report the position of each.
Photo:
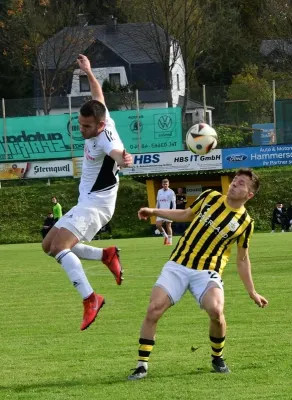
(44, 355)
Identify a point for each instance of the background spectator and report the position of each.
(165, 200)
(279, 217)
(57, 209)
(48, 224)
(181, 201)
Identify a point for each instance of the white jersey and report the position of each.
(99, 178)
(166, 199)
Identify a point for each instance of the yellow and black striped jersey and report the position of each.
(207, 242)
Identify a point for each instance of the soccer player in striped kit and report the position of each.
(197, 262)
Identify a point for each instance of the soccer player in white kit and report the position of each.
(166, 200)
(104, 154)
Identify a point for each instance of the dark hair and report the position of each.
(54, 197)
(93, 108)
(252, 176)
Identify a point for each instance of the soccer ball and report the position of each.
(201, 139)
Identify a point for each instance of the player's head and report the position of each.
(54, 200)
(91, 118)
(244, 185)
(279, 205)
(180, 190)
(165, 184)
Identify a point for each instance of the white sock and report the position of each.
(73, 267)
(87, 252)
(164, 233)
(142, 364)
(170, 238)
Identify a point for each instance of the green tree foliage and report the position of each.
(254, 88)
(233, 137)
(230, 44)
(256, 91)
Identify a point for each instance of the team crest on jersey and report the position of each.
(233, 225)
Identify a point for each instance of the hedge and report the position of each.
(25, 204)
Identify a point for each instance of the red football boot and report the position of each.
(91, 305)
(111, 259)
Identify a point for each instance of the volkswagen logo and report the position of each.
(165, 122)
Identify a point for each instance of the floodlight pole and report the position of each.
(204, 102)
(4, 128)
(70, 125)
(138, 120)
(274, 104)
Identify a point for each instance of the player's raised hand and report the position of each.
(127, 159)
(145, 212)
(84, 63)
(259, 300)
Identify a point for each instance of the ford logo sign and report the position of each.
(236, 157)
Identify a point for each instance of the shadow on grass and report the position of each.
(110, 380)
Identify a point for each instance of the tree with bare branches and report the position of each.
(177, 32)
(33, 39)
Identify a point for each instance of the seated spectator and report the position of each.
(48, 224)
(279, 217)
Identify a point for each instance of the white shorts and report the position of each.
(176, 279)
(163, 219)
(84, 221)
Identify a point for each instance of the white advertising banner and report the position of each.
(193, 190)
(35, 169)
(50, 169)
(77, 166)
(177, 161)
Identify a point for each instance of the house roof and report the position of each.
(269, 46)
(145, 96)
(192, 104)
(136, 43)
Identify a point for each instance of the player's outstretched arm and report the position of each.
(175, 215)
(244, 271)
(95, 88)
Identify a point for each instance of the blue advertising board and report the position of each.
(264, 156)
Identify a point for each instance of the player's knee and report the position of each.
(216, 314)
(55, 248)
(155, 310)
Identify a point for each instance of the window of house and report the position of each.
(84, 84)
(177, 81)
(189, 118)
(115, 79)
